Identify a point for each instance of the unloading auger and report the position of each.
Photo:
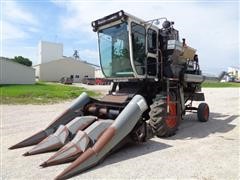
(155, 80)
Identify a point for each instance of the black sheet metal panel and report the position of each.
(198, 97)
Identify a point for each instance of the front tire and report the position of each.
(164, 124)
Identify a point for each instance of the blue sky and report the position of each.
(210, 27)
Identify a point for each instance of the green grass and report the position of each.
(44, 93)
(40, 93)
(220, 85)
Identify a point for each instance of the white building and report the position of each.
(98, 73)
(48, 51)
(65, 67)
(15, 73)
(53, 65)
(234, 72)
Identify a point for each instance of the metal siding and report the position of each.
(14, 73)
(49, 51)
(55, 70)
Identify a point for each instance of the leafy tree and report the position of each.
(22, 60)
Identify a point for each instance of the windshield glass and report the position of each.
(114, 51)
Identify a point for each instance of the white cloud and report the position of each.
(33, 29)
(12, 50)
(88, 55)
(10, 31)
(190, 18)
(19, 25)
(212, 28)
(15, 13)
(17, 22)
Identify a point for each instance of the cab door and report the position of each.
(152, 53)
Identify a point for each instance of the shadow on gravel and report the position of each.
(130, 151)
(191, 128)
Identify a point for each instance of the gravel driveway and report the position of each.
(198, 150)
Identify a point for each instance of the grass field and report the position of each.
(40, 93)
(220, 85)
(44, 93)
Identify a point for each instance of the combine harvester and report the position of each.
(155, 80)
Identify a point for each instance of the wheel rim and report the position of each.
(206, 113)
(171, 119)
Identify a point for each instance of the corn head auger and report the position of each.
(155, 80)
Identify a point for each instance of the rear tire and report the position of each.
(164, 124)
(203, 112)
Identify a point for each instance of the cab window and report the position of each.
(138, 45)
(152, 41)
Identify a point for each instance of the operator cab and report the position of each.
(128, 47)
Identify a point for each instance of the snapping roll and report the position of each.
(121, 127)
(73, 111)
(79, 144)
(62, 135)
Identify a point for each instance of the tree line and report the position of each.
(20, 60)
